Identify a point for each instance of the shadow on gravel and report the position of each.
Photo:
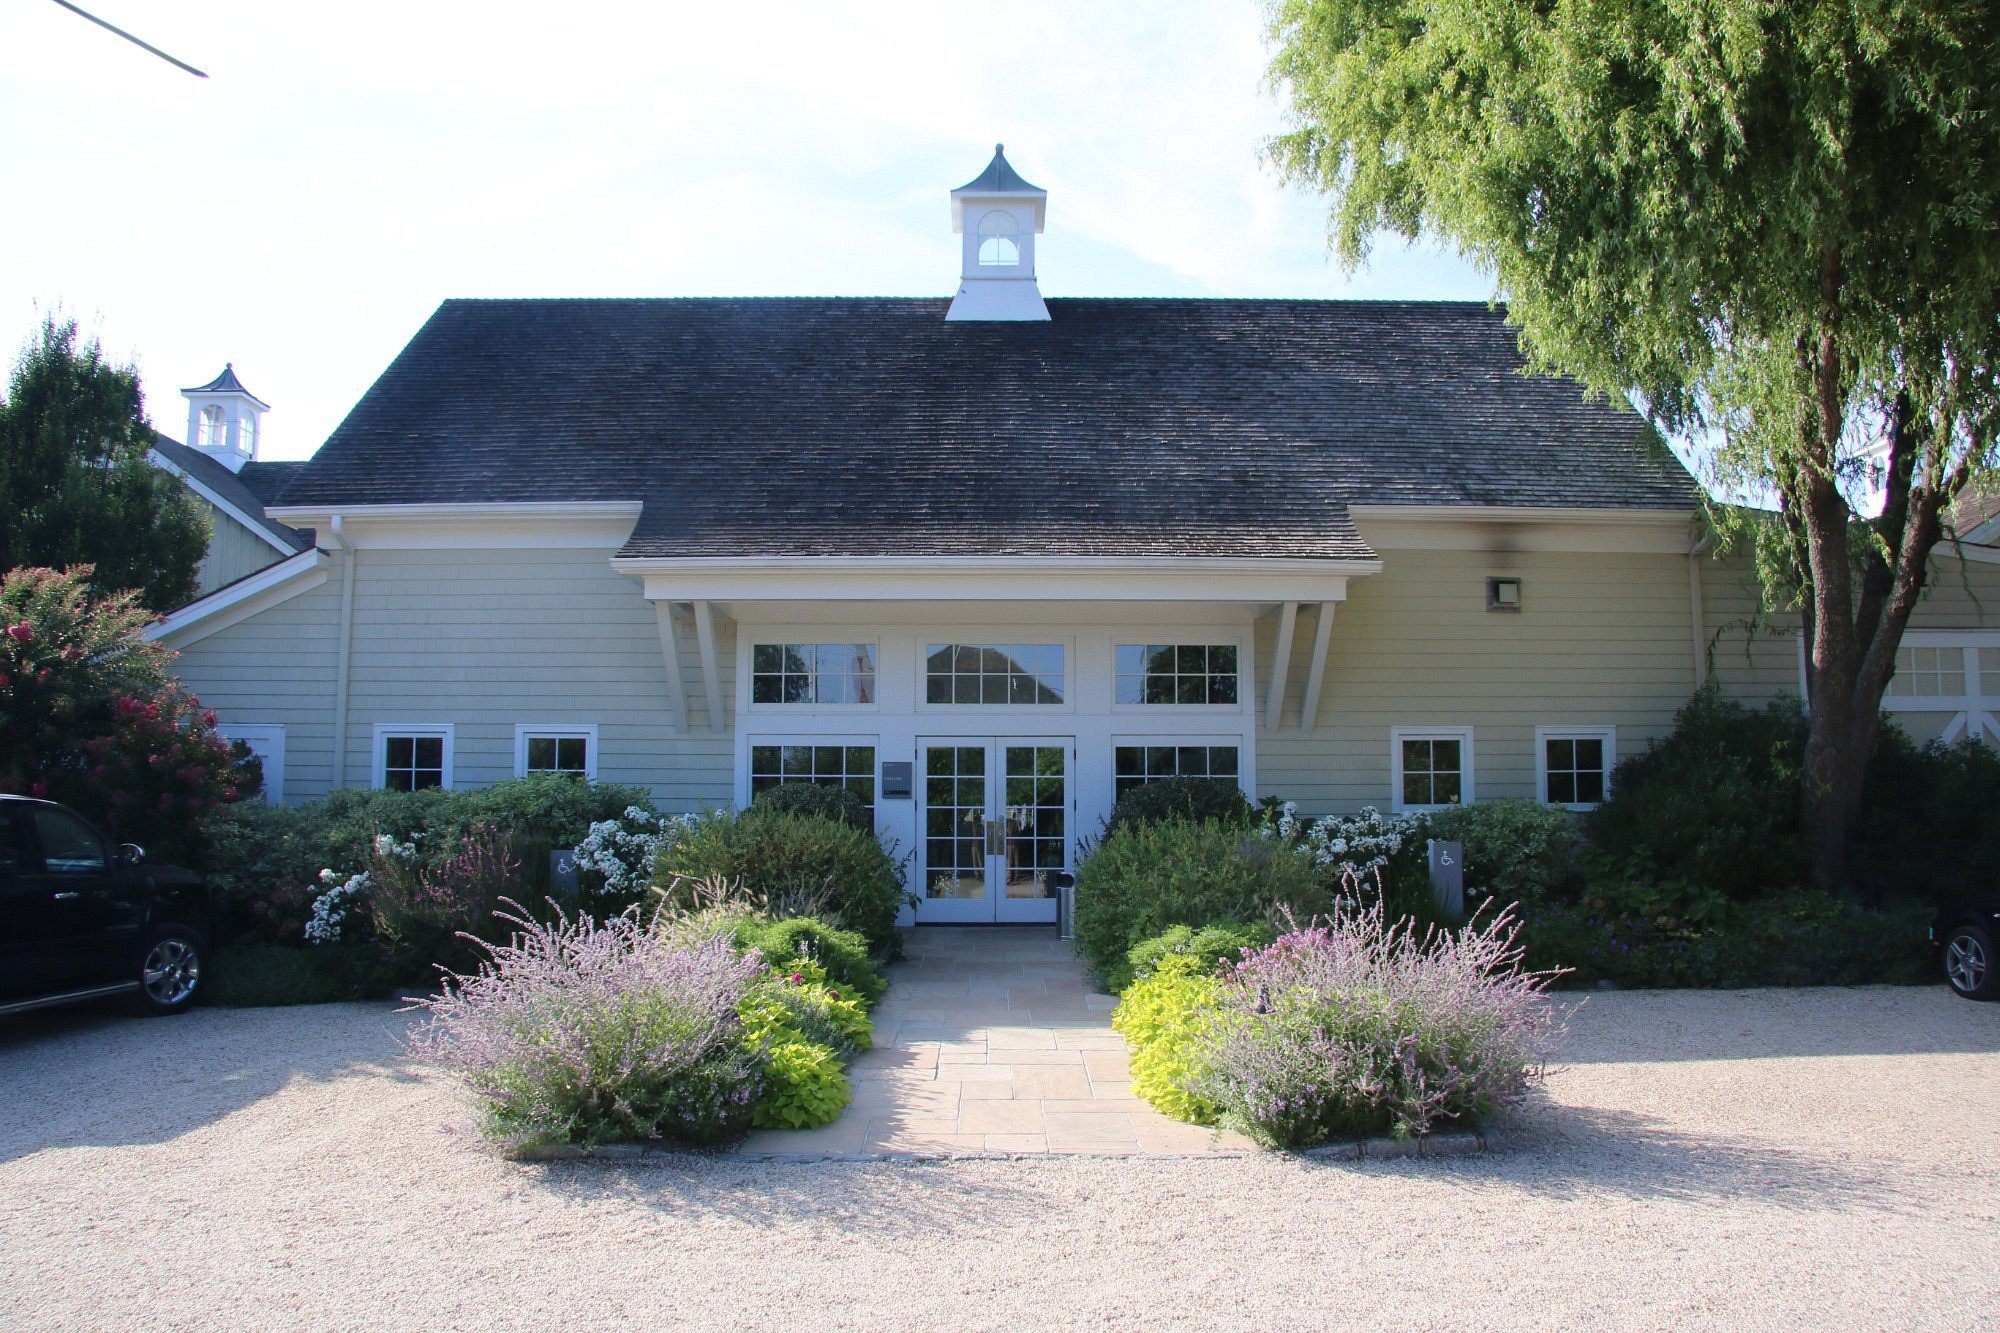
(1569, 1152)
(889, 1198)
(1615, 1027)
(87, 1076)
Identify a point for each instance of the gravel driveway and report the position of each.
(1749, 1159)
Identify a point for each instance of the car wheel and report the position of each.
(1969, 963)
(171, 970)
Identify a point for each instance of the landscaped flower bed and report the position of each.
(1348, 1027)
(686, 1029)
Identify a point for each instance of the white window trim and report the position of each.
(843, 739)
(1543, 735)
(1040, 640)
(272, 738)
(1971, 711)
(446, 731)
(1246, 692)
(748, 685)
(1397, 735)
(527, 731)
(1211, 741)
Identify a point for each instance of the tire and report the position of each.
(171, 970)
(1970, 966)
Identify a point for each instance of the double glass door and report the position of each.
(995, 815)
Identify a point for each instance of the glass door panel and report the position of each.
(995, 821)
(955, 806)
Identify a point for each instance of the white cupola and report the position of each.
(225, 419)
(999, 215)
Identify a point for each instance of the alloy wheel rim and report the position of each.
(1965, 963)
(171, 972)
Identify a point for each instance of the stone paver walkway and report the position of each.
(992, 1040)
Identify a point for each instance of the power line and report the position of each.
(112, 27)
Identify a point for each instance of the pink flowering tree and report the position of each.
(90, 716)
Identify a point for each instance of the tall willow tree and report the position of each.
(1776, 223)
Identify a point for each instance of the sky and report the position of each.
(347, 167)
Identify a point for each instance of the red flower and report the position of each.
(21, 633)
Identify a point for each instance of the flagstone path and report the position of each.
(992, 1040)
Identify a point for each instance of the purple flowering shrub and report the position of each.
(586, 1032)
(435, 908)
(1356, 1025)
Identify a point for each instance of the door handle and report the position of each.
(67, 894)
(996, 837)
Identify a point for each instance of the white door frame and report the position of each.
(994, 906)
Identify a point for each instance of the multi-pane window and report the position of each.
(955, 821)
(1176, 673)
(1432, 768)
(812, 673)
(1136, 765)
(993, 673)
(556, 754)
(414, 760)
(849, 766)
(1928, 673)
(1576, 765)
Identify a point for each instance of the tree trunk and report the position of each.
(1836, 764)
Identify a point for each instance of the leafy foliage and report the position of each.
(1773, 224)
(75, 483)
(1208, 946)
(1164, 1016)
(1180, 800)
(586, 1032)
(1932, 824)
(841, 954)
(254, 973)
(1516, 851)
(1713, 803)
(423, 907)
(1361, 1026)
(90, 717)
(774, 854)
(1146, 877)
(820, 799)
(805, 1087)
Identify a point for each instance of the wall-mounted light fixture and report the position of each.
(1503, 594)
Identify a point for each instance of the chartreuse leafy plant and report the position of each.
(1163, 1017)
(805, 1087)
(1776, 225)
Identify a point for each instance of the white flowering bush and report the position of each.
(1346, 847)
(621, 852)
(340, 909)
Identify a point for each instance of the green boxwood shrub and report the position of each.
(1146, 877)
(1519, 851)
(817, 798)
(782, 856)
(1181, 800)
(843, 953)
(1208, 946)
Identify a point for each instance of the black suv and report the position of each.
(81, 918)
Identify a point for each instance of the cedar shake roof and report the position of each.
(248, 491)
(872, 427)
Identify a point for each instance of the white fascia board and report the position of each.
(1012, 579)
(242, 599)
(444, 526)
(1526, 528)
(188, 480)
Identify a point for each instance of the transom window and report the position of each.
(555, 749)
(993, 673)
(812, 673)
(1576, 764)
(1176, 673)
(1431, 768)
(412, 758)
(1136, 765)
(849, 766)
(1928, 673)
